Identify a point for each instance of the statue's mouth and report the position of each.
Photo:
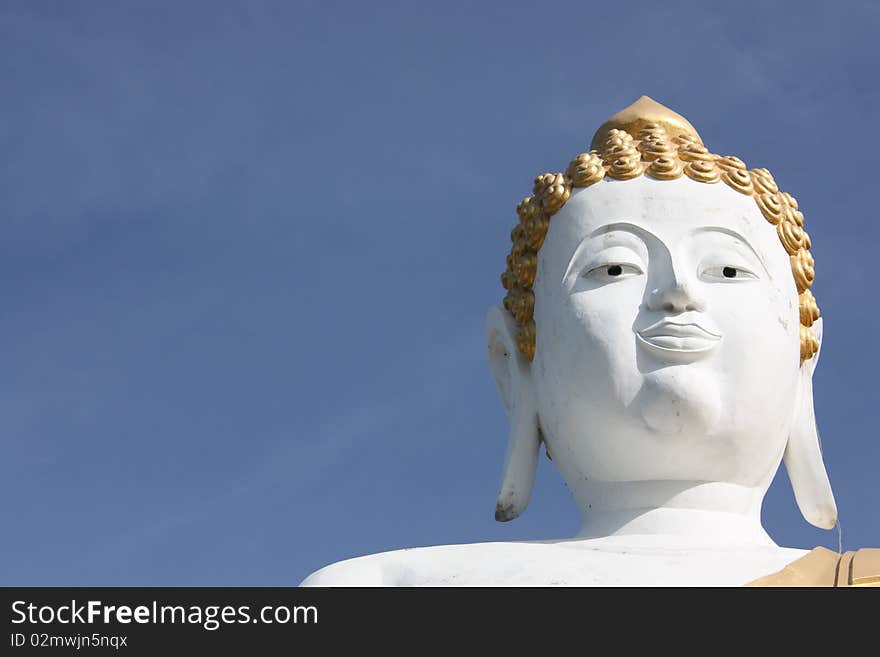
(677, 340)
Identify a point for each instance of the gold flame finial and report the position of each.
(641, 113)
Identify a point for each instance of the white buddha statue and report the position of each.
(659, 337)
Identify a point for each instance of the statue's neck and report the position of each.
(684, 512)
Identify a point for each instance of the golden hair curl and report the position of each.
(663, 154)
(738, 179)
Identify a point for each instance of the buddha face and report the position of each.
(667, 335)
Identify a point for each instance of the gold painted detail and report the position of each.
(648, 138)
(865, 568)
(822, 567)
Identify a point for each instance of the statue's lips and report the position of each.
(666, 337)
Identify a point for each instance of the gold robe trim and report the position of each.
(823, 567)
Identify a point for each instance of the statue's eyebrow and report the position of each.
(624, 226)
(735, 235)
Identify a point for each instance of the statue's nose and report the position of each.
(678, 297)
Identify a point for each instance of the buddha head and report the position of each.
(658, 323)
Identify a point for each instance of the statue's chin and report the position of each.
(680, 401)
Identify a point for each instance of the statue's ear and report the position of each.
(803, 453)
(512, 373)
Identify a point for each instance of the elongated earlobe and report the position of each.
(803, 454)
(512, 374)
(520, 466)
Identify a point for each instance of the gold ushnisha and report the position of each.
(648, 138)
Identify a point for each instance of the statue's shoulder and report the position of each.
(438, 565)
(515, 563)
(824, 567)
(361, 571)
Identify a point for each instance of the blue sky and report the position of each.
(246, 250)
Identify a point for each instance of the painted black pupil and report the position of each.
(729, 272)
(615, 270)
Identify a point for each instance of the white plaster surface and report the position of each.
(596, 562)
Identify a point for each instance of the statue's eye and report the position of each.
(728, 273)
(615, 270)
